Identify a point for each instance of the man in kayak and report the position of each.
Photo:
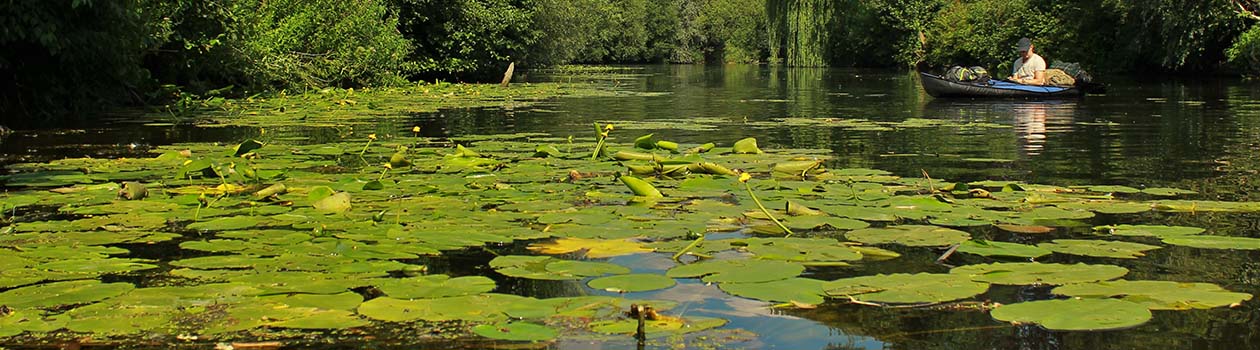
(1030, 68)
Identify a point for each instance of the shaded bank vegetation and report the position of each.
(70, 57)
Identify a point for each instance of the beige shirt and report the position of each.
(1025, 70)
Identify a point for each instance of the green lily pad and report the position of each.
(1003, 249)
(585, 268)
(1149, 230)
(1167, 192)
(516, 331)
(1038, 273)
(658, 328)
(323, 319)
(738, 271)
(472, 308)
(1098, 248)
(336, 203)
(548, 268)
(809, 251)
(17, 322)
(904, 288)
(434, 286)
(592, 248)
(56, 294)
(817, 222)
(1157, 295)
(910, 235)
(1214, 242)
(795, 290)
(639, 282)
(342, 301)
(1075, 314)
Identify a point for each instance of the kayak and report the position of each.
(938, 86)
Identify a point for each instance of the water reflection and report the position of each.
(1035, 121)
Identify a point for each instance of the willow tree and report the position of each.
(799, 31)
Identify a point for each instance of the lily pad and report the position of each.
(434, 286)
(904, 288)
(323, 319)
(658, 328)
(738, 271)
(1098, 248)
(639, 282)
(592, 248)
(1075, 314)
(1149, 230)
(794, 290)
(56, 294)
(910, 235)
(1004, 249)
(1039, 273)
(1215, 242)
(1157, 295)
(516, 331)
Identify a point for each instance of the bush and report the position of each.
(984, 33)
(262, 44)
(1245, 53)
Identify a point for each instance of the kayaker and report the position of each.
(1030, 68)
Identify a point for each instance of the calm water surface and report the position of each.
(1200, 135)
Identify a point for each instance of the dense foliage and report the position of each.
(73, 56)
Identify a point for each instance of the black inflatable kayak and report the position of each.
(938, 86)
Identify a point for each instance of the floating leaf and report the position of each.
(903, 288)
(1157, 295)
(592, 248)
(516, 331)
(56, 294)
(1214, 242)
(246, 147)
(739, 271)
(1005, 249)
(658, 328)
(910, 235)
(227, 223)
(323, 319)
(434, 286)
(640, 188)
(795, 290)
(746, 146)
(1075, 314)
(585, 268)
(1038, 273)
(336, 203)
(1149, 230)
(1165, 191)
(632, 283)
(1098, 248)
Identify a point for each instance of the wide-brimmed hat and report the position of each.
(1024, 45)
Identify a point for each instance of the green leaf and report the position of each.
(55, 294)
(632, 283)
(1098, 248)
(246, 147)
(1004, 249)
(516, 331)
(746, 146)
(1215, 242)
(738, 271)
(434, 286)
(1157, 295)
(1148, 230)
(903, 288)
(798, 290)
(1038, 273)
(910, 235)
(1075, 314)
